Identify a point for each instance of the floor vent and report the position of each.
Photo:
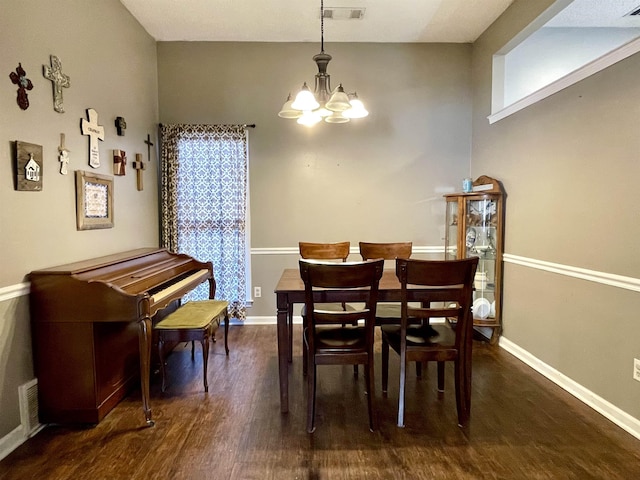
(28, 395)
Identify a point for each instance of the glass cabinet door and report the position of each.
(480, 241)
(451, 232)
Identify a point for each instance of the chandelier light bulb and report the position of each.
(305, 100)
(287, 112)
(309, 118)
(357, 109)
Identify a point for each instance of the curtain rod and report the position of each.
(245, 125)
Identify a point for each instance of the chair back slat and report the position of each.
(325, 251)
(386, 251)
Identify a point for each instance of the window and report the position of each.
(570, 41)
(205, 202)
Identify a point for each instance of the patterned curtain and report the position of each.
(204, 203)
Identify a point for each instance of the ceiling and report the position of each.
(392, 21)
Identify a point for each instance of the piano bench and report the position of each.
(196, 320)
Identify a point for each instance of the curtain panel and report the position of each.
(204, 182)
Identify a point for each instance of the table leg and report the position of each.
(290, 320)
(283, 351)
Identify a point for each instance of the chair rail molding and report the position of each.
(14, 291)
(428, 249)
(611, 279)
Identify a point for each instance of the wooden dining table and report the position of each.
(290, 290)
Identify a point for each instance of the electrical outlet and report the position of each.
(257, 292)
(636, 369)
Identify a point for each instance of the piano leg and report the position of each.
(144, 341)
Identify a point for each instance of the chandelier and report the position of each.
(323, 104)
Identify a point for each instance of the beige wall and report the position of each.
(376, 179)
(570, 168)
(112, 64)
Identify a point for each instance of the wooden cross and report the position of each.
(138, 165)
(149, 145)
(121, 126)
(59, 79)
(95, 133)
(119, 162)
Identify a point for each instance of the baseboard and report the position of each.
(297, 319)
(599, 404)
(11, 441)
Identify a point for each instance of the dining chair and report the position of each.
(338, 251)
(386, 312)
(452, 285)
(335, 337)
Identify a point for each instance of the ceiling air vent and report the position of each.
(633, 13)
(343, 13)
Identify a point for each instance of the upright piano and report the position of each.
(91, 326)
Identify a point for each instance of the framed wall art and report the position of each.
(94, 200)
(28, 166)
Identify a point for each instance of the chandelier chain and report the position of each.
(322, 26)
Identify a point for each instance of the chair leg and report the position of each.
(441, 376)
(370, 385)
(311, 398)
(305, 351)
(193, 349)
(205, 359)
(419, 369)
(385, 366)
(462, 404)
(226, 333)
(403, 377)
(161, 357)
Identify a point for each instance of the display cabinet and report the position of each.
(475, 228)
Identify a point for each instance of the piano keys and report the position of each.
(91, 326)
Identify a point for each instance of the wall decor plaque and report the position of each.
(28, 166)
(94, 200)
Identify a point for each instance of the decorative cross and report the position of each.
(95, 133)
(64, 156)
(19, 77)
(121, 126)
(149, 145)
(59, 79)
(119, 162)
(139, 167)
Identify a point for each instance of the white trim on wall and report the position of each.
(14, 291)
(620, 281)
(599, 404)
(574, 77)
(430, 250)
(12, 440)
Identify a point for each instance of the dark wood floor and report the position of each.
(522, 427)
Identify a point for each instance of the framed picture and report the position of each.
(94, 200)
